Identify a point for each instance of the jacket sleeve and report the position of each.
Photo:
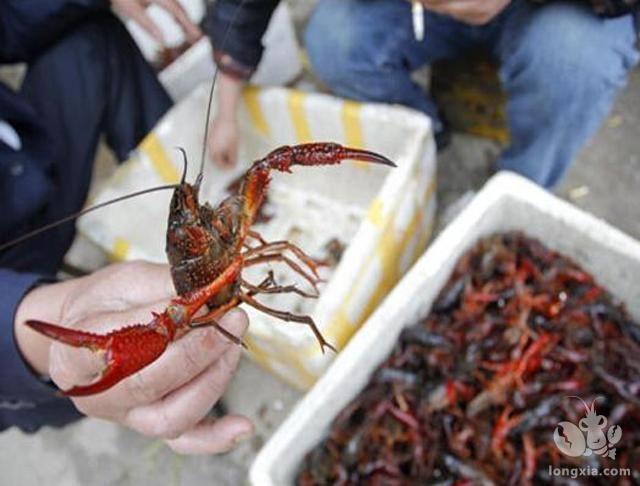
(17, 382)
(236, 29)
(26, 26)
(26, 402)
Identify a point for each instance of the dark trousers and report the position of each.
(93, 82)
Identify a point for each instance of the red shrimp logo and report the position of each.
(572, 441)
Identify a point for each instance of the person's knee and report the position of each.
(568, 51)
(353, 47)
(329, 40)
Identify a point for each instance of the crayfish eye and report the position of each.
(583, 425)
(176, 313)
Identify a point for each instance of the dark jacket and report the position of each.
(236, 33)
(26, 27)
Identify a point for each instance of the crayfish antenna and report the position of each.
(73, 217)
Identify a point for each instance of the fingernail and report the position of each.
(242, 437)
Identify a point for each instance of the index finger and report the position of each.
(177, 11)
(122, 287)
(140, 283)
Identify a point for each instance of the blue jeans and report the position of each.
(560, 65)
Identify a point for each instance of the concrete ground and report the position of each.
(605, 181)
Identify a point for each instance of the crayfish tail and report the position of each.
(72, 337)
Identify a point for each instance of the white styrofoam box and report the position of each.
(384, 215)
(280, 63)
(507, 203)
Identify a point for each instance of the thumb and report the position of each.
(69, 366)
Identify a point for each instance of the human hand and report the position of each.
(474, 12)
(223, 142)
(168, 399)
(136, 11)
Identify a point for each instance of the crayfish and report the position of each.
(207, 250)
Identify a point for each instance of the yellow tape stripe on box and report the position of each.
(353, 128)
(389, 252)
(298, 376)
(340, 328)
(120, 250)
(299, 117)
(152, 147)
(376, 213)
(252, 101)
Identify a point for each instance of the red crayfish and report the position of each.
(207, 250)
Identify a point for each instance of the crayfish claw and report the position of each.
(365, 156)
(127, 350)
(72, 337)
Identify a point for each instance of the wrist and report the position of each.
(229, 94)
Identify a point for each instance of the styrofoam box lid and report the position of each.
(508, 202)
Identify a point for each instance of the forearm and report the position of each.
(229, 93)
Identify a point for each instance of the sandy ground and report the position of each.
(605, 181)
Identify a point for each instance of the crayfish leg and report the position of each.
(277, 247)
(210, 320)
(289, 317)
(276, 289)
(279, 257)
(216, 325)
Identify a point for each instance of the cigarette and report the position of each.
(417, 10)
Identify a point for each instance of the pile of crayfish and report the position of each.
(524, 365)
